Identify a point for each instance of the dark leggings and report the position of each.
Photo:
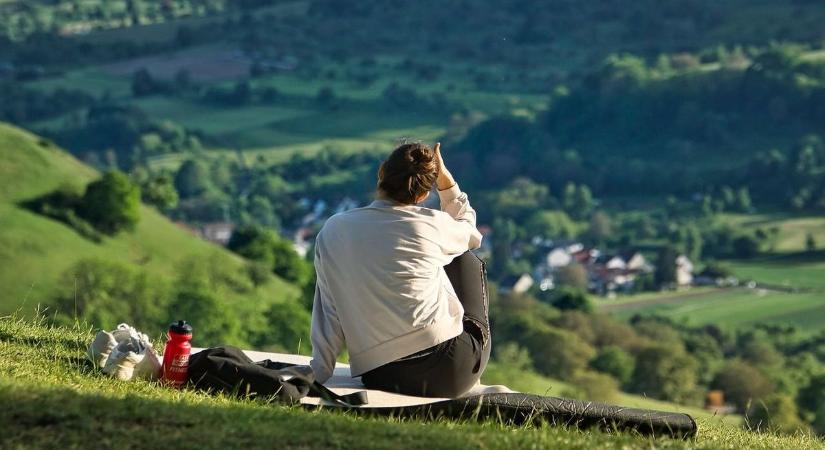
(450, 368)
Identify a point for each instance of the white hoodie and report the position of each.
(381, 289)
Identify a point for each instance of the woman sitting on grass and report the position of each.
(383, 290)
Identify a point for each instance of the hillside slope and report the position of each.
(48, 391)
(35, 251)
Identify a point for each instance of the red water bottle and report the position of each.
(176, 355)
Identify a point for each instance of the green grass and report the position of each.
(35, 251)
(740, 307)
(296, 123)
(797, 270)
(52, 398)
(793, 229)
(91, 80)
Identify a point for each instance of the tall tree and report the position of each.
(666, 266)
(112, 203)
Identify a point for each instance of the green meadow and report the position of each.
(732, 308)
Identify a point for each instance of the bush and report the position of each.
(558, 353)
(776, 413)
(568, 298)
(106, 293)
(811, 398)
(742, 384)
(745, 246)
(159, 191)
(594, 386)
(667, 373)
(265, 247)
(819, 420)
(290, 327)
(192, 179)
(111, 204)
(259, 273)
(513, 356)
(616, 362)
(213, 322)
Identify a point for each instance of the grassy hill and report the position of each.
(53, 399)
(35, 250)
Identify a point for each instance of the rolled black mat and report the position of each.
(517, 408)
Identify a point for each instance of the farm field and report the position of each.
(735, 308)
(792, 229)
(295, 123)
(797, 271)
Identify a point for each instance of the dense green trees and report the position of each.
(106, 293)
(762, 367)
(551, 224)
(265, 246)
(157, 190)
(192, 179)
(215, 294)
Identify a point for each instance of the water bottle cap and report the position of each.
(180, 327)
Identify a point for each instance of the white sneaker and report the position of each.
(150, 367)
(105, 342)
(100, 348)
(123, 359)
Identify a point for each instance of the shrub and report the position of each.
(665, 372)
(513, 356)
(776, 413)
(811, 398)
(259, 273)
(745, 246)
(112, 203)
(290, 327)
(819, 420)
(616, 362)
(264, 246)
(106, 293)
(594, 386)
(558, 353)
(568, 298)
(742, 384)
(214, 322)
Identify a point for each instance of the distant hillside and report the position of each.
(36, 251)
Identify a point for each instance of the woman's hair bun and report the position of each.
(409, 172)
(421, 155)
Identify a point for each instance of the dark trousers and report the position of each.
(450, 368)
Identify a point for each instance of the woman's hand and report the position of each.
(445, 178)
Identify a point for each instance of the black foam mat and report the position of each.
(517, 409)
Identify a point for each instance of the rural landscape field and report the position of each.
(649, 179)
